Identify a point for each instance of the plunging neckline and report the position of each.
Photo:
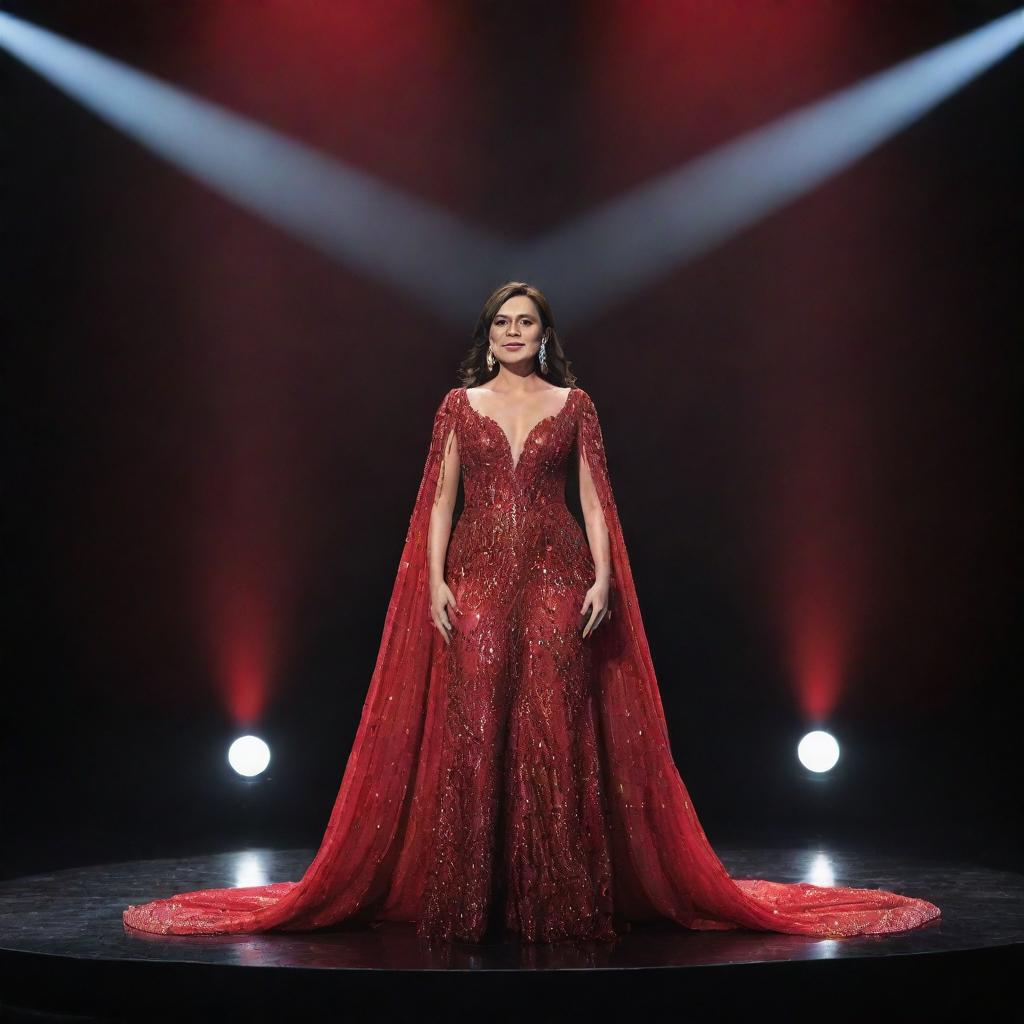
(501, 430)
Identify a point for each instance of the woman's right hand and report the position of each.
(441, 600)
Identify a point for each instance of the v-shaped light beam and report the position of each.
(586, 265)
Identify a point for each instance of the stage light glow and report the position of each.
(820, 871)
(636, 239)
(250, 870)
(588, 265)
(346, 213)
(818, 751)
(249, 756)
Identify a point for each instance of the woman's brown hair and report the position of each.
(473, 370)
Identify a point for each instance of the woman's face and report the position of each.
(516, 331)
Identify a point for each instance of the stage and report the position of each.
(65, 953)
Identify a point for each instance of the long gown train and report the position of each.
(520, 771)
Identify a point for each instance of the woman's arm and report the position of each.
(597, 537)
(444, 508)
(441, 598)
(593, 517)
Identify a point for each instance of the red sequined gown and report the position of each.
(520, 776)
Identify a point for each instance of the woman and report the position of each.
(512, 763)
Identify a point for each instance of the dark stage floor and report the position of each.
(63, 949)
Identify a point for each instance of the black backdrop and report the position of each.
(163, 343)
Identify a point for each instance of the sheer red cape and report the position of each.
(372, 861)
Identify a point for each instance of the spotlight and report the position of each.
(249, 755)
(818, 751)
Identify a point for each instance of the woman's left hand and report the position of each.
(597, 601)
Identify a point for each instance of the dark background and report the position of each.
(214, 434)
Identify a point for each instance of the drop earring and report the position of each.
(490, 360)
(544, 356)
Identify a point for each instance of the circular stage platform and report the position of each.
(65, 954)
